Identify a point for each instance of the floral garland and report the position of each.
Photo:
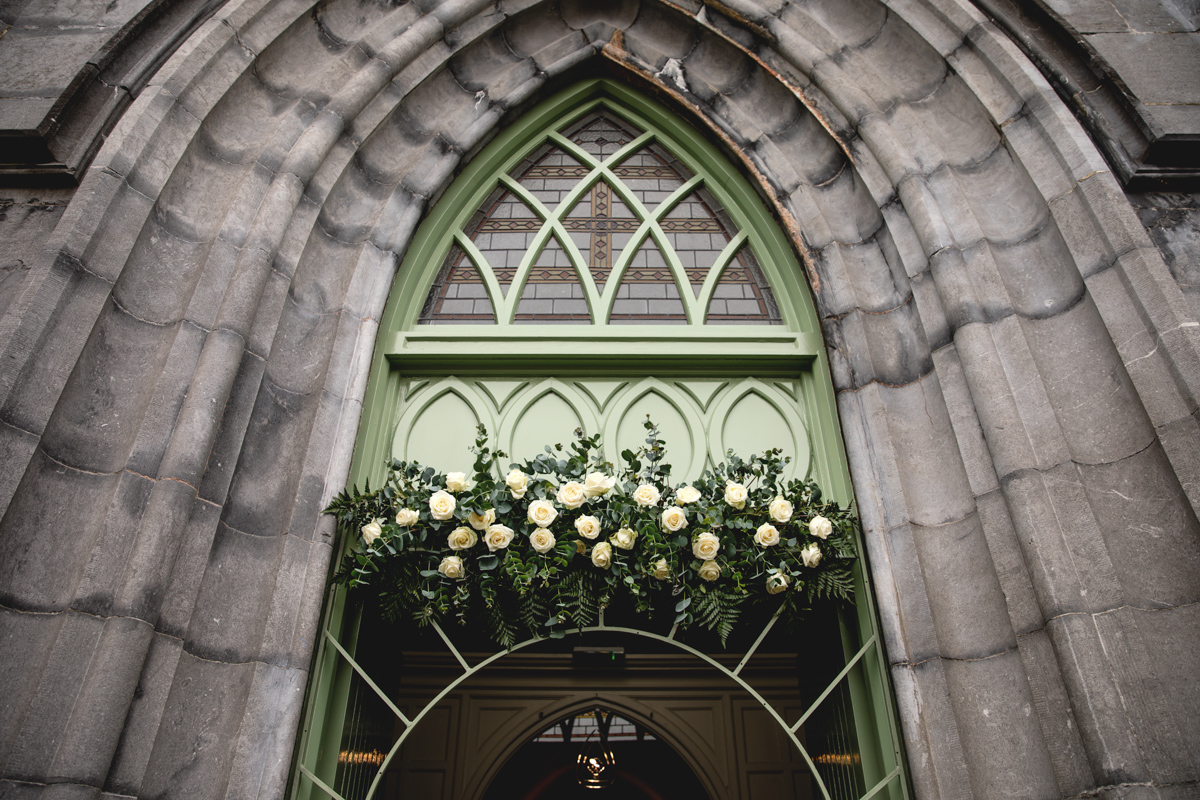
(562, 536)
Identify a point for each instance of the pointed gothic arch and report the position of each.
(188, 359)
(429, 332)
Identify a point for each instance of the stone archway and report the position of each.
(1017, 372)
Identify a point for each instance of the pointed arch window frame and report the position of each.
(793, 349)
(505, 344)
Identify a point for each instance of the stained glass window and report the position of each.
(600, 202)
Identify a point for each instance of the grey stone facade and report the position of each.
(184, 346)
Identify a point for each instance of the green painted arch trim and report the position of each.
(762, 234)
(795, 351)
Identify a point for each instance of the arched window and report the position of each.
(597, 262)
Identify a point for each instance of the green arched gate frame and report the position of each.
(598, 260)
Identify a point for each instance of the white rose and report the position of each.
(646, 494)
(442, 504)
(766, 535)
(597, 484)
(480, 521)
(462, 539)
(407, 517)
(820, 527)
(780, 510)
(710, 570)
(542, 540)
(517, 482)
(498, 537)
(624, 538)
(662, 570)
(811, 555)
(451, 567)
(706, 546)
(735, 494)
(580, 548)
(602, 555)
(588, 527)
(777, 581)
(457, 482)
(542, 513)
(372, 531)
(571, 494)
(674, 519)
(687, 494)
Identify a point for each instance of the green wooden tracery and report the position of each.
(420, 358)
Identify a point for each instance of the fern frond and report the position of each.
(718, 609)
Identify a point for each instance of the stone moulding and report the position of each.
(1017, 374)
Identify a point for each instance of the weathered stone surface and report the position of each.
(27, 217)
(969, 613)
(227, 623)
(914, 639)
(1110, 741)
(928, 230)
(132, 755)
(1099, 426)
(28, 642)
(930, 732)
(264, 747)
(1001, 737)
(41, 572)
(1173, 222)
(97, 419)
(1062, 542)
(97, 715)
(196, 740)
(934, 482)
(187, 573)
(238, 406)
(162, 414)
(1024, 614)
(1150, 532)
(1059, 727)
(42, 727)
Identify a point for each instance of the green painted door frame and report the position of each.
(792, 352)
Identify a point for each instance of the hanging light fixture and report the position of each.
(596, 767)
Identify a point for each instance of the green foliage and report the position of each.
(718, 608)
(737, 535)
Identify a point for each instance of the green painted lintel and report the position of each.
(563, 350)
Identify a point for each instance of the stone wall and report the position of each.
(182, 370)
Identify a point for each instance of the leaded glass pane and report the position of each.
(602, 133)
(503, 229)
(602, 224)
(549, 173)
(697, 236)
(458, 296)
(652, 174)
(648, 293)
(552, 292)
(742, 296)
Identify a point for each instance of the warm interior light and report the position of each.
(355, 757)
(838, 759)
(596, 767)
